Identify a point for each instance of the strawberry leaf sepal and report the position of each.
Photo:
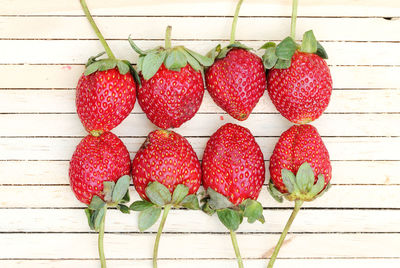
(220, 52)
(279, 56)
(231, 216)
(300, 187)
(160, 197)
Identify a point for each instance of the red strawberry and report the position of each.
(172, 85)
(170, 98)
(96, 160)
(297, 145)
(301, 92)
(168, 158)
(237, 82)
(233, 164)
(104, 99)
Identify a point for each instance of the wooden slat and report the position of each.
(197, 245)
(308, 220)
(203, 125)
(63, 101)
(211, 28)
(362, 148)
(56, 172)
(203, 8)
(367, 196)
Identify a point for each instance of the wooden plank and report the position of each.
(44, 125)
(211, 28)
(198, 245)
(56, 172)
(203, 8)
(361, 148)
(63, 101)
(66, 76)
(179, 221)
(209, 263)
(340, 196)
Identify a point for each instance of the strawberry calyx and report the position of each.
(173, 58)
(230, 215)
(218, 52)
(160, 197)
(279, 56)
(300, 187)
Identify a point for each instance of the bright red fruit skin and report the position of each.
(301, 93)
(104, 99)
(171, 98)
(95, 160)
(237, 82)
(233, 164)
(299, 144)
(168, 158)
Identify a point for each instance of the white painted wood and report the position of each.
(198, 245)
(339, 196)
(73, 220)
(66, 76)
(204, 8)
(63, 101)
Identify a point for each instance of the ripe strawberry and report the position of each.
(172, 86)
(96, 160)
(233, 164)
(297, 145)
(236, 81)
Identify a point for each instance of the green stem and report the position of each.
(293, 21)
(168, 37)
(101, 243)
(234, 23)
(236, 247)
(160, 228)
(297, 206)
(96, 29)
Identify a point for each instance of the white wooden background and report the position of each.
(43, 47)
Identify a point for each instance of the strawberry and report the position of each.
(172, 86)
(106, 91)
(236, 81)
(233, 174)
(166, 173)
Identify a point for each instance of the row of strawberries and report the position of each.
(166, 171)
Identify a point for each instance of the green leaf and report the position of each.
(274, 192)
(207, 209)
(140, 205)
(192, 61)
(305, 178)
(238, 45)
(212, 54)
(191, 202)
(282, 64)
(175, 59)
(321, 51)
(309, 44)
(108, 190)
(205, 61)
(222, 53)
(123, 68)
(217, 200)
(268, 45)
(96, 203)
(92, 68)
(151, 63)
(180, 192)
(124, 209)
(107, 64)
(269, 58)
(120, 189)
(253, 211)
(98, 216)
(158, 193)
(148, 217)
(289, 180)
(89, 214)
(230, 218)
(327, 187)
(135, 47)
(286, 49)
(94, 58)
(317, 188)
(126, 198)
(139, 65)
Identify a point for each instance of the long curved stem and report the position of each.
(294, 18)
(234, 23)
(96, 29)
(168, 37)
(160, 228)
(236, 247)
(297, 206)
(101, 243)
